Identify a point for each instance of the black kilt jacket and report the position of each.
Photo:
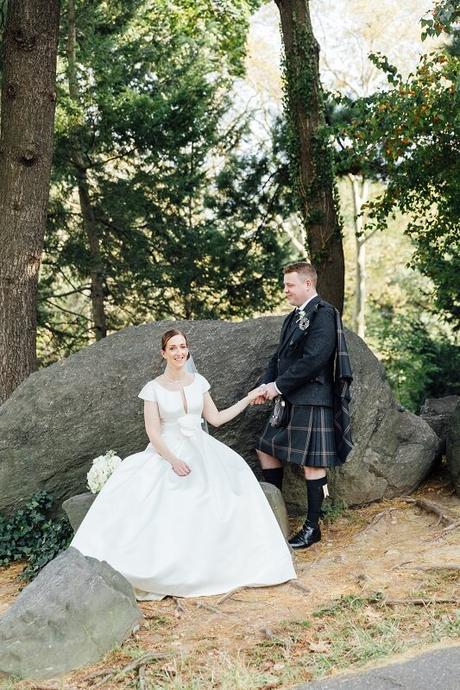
(303, 368)
(303, 364)
(312, 370)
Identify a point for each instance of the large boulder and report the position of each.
(453, 449)
(75, 611)
(438, 412)
(76, 508)
(394, 449)
(63, 416)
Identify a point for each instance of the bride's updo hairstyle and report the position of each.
(166, 337)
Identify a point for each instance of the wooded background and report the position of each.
(164, 160)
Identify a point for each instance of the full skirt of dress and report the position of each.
(203, 534)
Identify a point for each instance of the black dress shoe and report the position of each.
(306, 537)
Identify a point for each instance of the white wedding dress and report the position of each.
(202, 534)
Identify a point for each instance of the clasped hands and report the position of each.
(267, 391)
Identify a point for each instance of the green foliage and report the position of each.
(156, 144)
(343, 114)
(420, 358)
(409, 136)
(333, 510)
(348, 603)
(442, 19)
(31, 534)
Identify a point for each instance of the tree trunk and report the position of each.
(87, 210)
(309, 149)
(360, 195)
(359, 320)
(97, 266)
(26, 144)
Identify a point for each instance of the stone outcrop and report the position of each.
(278, 505)
(75, 611)
(63, 416)
(438, 413)
(394, 449)
(453, 449)
(76, 508)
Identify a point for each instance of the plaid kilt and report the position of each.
(308, 439)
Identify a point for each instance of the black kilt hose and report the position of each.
(303, 369)
(308, 439)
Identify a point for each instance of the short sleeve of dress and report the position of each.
(205, 385)
(148, 392)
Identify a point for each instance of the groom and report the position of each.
(302, 371)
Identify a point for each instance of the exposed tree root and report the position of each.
(431, 507)
(132, 666)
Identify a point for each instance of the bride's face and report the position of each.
(175, 352)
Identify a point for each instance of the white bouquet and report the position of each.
(101, 469)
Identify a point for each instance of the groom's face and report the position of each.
(297, 288)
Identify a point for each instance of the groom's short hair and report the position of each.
(304, 268)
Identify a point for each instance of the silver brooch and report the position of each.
(303, 322)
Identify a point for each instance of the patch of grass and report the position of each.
(333, 510)
(448, 627)
(354, 644)
(303, 624)
(133, 651)
(347, 603)
(173, 683)
(354, 630)
(9, 683)
(221, 671)
(157, 623)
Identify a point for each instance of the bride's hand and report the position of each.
(181, 468)
(261, 400)
(256, 394)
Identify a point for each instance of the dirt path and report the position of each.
(341, 613)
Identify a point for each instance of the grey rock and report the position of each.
(437, 412)
(394, 449)
(63, 416)
(76, 508)
(295, 490)
(453, 449)
(75, 611)
(277, 504)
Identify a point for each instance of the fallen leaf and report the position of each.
(320, 647)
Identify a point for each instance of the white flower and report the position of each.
(101, 469)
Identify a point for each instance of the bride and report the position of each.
(185, 517)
